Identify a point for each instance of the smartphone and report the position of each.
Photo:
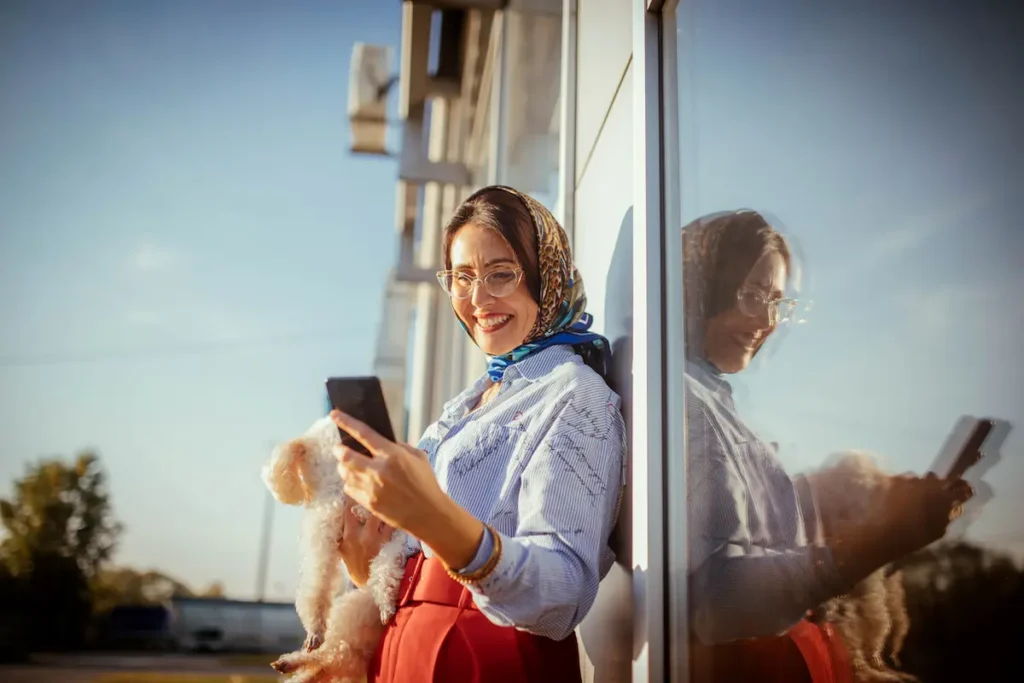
(970, 453)
(363, 399)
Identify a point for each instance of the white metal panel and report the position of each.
(604, 46)
(603, 253)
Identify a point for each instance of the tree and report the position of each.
(962, 600)
(59, 531)
(124, 586)
(214, 590)
(59, 511)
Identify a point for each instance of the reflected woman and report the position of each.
(754, 576)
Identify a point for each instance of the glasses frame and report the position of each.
(774, 314)
(475, 281)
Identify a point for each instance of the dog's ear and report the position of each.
(283, 474)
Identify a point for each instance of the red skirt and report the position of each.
(438, 634)
(807, 653)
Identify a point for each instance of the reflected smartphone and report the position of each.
(363, 399)
(970, 453)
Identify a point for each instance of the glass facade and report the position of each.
(882, 141)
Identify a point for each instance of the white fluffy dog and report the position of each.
(872, 618)
(343, 627)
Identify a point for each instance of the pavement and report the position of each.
(83, 668)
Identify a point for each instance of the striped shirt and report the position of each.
(543, 463)
(752, 571)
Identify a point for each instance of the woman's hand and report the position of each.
(397, 485)
(911, 513)
(916, 511)
(360, 542)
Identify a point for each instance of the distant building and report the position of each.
(218, 624)
(138, 626)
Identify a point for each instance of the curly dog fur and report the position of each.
(872, 617)
(343, 627)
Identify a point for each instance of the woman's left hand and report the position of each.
(396, 484)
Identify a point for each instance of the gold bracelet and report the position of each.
(489, 566)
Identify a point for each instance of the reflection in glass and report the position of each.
(886, 137)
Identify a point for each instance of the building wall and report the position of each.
(603, 251)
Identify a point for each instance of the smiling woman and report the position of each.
(512, 494)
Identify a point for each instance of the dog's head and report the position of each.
(846, 489)
(302, 468)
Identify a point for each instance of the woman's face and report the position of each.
(496, 325)
(734, 335)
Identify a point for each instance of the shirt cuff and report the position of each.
(483, 553)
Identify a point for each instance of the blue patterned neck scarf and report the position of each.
(574, 335)
(561, 315)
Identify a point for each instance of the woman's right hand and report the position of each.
(909, 514)
(917, 511)
(360, 542)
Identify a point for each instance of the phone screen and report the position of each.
(363, 399)
(970, 453)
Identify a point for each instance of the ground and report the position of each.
(134, 668)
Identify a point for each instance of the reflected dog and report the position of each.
(872, 617)
(343, 627)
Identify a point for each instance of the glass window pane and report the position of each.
(873, 151)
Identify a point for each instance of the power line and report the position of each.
(173, 351)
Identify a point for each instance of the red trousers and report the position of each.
(807, 653)
(438, 634)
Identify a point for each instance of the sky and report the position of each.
(885, 139)
(187, 249)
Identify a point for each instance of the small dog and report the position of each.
(343, 628)
(872, 618)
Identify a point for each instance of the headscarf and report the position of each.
(561, 315)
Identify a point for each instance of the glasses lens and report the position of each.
(750, 302)
(501, 283)
(456, 285)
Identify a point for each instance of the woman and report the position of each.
(753, 573)
(514, 491)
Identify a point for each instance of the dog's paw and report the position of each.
(290, 663)
(339, 665)
(313, 642)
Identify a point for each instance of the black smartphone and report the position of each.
(363, 399)
(963, 448)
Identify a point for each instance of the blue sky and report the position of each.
(187, 249)
(886, 139)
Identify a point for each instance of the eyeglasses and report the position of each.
(498, 283)
(753, 302)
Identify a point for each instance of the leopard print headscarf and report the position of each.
(562, 316)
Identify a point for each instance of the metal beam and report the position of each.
(648, 476)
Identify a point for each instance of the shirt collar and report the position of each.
(540, 363)
(532, 368)
(708, 375)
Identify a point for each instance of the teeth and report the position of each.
(492, 321)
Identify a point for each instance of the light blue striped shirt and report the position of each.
(752, 570)
(543, 463)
